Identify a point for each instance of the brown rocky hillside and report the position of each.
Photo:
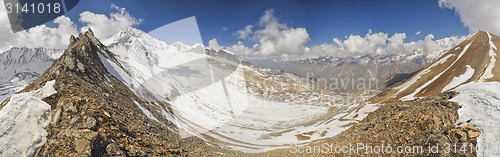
(475, 59)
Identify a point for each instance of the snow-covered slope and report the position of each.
(24, 63)
(474, 60)
(470, 69)
(92, 109)
(23, 120)
(212, 92)
(480, 103)
(20, 66)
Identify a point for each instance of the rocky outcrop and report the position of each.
(426, 127)
(428, 122)
(94, 114)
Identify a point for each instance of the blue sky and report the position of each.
(323, 20)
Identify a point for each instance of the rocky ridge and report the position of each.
(94, 114)
(473, 60)
(424, 123)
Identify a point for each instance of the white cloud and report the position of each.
(356, 44)
(214, 44)
(396, 40)
(273, 39)
(417, 33)
(476, 14)
(58, 37)
(104, 26)
(241, 49)
(380, 43)
(224, 28)
(43, 36)
(352, 45)
(276, 40)
(244, 33)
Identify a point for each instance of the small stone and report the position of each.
(461, 136)
(82, 146)
(74, 120)
(80, 67)
(132, 150)
(114, 150)
(56, 117)
(403, 107)
(70, 109)
(90, 123)
(473, 134)
(107, 114)
(470, 127)
(365, 127)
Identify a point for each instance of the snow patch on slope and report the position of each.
(188, 79)
(27, 61)
(23, 120)
(460, 79)
(481, 102)
(412, 95)
(488, 72)
(115, 70)
(275, 125)
(146, 111)
(7, 89)
(420, 74)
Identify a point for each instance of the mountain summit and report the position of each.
(89, 111)
(473, 60)
(81, 59)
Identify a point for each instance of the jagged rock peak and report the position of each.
(82, 58)
(82, 53)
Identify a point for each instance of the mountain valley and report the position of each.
(134, 95)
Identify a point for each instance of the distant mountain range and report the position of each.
(22, 65)
(134, 95)
(91, 91)
(359, 73)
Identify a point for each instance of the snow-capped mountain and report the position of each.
(20, 66)
(213, 93)
(140, 96)
(417, 58)
(342, 73)
(380, 70)
(471, 68)
(78, 108)
(94, 96)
